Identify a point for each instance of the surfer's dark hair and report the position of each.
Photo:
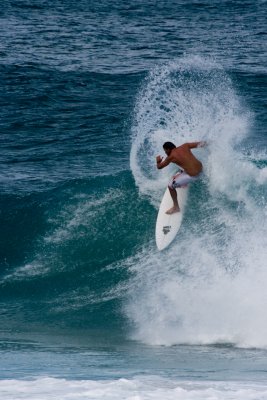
(169, 145)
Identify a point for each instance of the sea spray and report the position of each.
(189, 100)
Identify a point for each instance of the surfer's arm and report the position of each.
(162, 163)
(194, 145)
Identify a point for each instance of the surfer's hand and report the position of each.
(159, 159)
(203, 143)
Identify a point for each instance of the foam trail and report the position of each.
(210, 286)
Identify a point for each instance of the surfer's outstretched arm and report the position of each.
(194, 145)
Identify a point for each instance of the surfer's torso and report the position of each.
(184, 158)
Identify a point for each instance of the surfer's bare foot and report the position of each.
(173, 210)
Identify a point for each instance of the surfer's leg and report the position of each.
(172, 185)
(175, 207)
(181, 179)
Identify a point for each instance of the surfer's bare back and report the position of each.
(185, 159)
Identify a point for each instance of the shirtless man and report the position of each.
(185, 159)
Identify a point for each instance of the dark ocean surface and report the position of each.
(89, 93)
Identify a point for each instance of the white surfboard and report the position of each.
(167, 225)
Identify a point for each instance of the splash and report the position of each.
(189, 100)
(210, 286)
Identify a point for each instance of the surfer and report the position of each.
(191, 167)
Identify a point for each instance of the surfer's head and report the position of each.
(168, 147)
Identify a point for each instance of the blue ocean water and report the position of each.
(89, 93)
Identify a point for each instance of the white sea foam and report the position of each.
(149, 388)
(82, 213)
(73, 221)
(27, 271)
(210, 286)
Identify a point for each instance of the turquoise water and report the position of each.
(89, 93)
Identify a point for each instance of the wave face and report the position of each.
(78, 249)
(208, 287)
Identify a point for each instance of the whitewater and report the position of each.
(209, 287)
